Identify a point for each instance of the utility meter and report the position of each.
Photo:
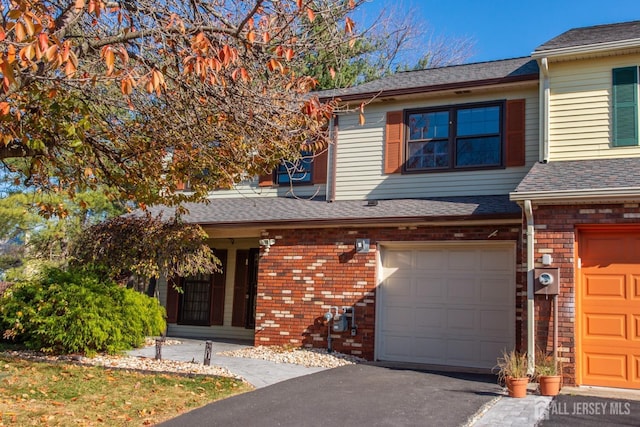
(546, 281)
(340, 323)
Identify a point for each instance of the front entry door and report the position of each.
(244, 289)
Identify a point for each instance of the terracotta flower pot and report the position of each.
(549, 385)
(517, 386)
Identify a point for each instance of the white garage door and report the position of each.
(447, 305)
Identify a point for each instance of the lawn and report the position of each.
(66, 394)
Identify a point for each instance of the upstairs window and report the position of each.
(297, 172)
(625, 107)
(458, 137)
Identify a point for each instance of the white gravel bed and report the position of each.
(128, 362)
(309, 357)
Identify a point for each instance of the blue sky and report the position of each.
(511, 28)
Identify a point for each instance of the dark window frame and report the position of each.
(283, 171)
(453, 138)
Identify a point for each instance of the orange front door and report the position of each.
(609, 308)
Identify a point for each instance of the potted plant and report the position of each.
(548, 375)
(512, 370)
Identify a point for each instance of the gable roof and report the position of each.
(603, 179)
(279, 211)
(595, 37)
(435, 79)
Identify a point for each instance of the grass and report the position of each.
(65, 394)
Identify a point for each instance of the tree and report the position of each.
(145, 94)
(398, 39)
(146, 246)
(33, 236)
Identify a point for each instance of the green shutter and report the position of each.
(625, 106)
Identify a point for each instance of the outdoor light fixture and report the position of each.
(362, 246)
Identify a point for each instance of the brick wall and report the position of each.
(555, 234)
(309, 270)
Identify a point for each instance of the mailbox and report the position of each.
(546, 281)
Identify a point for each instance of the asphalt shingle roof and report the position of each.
(576, 175)
(279, 210)
(444, 76)
(593, 35)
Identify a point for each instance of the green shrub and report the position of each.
(72, 312)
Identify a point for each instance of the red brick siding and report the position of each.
(309, 270)
(555, 233)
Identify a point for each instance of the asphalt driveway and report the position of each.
(353, 395)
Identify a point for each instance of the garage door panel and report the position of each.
(398, 318)
(429, 319)
(463, 315)
(461, 319)
(492, 321)
(461, 288)
(605, 326)
(636, 287)
(463, 260)
(605, 286)
(429, 287)
(398, 346)
(429, 260)
(491, 290)
(493, 261)
(606, 366)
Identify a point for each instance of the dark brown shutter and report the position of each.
(238, 317)
(393, 142)
(319, 166)
(218, 279)
(172, 300)
(265, 180)
(515, 132)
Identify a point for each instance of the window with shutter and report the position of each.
(625, 107)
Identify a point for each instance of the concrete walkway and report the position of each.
(260, 373)
(501, 411)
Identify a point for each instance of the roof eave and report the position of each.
(585, 49)
(433, 88)
(603, 195)
(322, 222)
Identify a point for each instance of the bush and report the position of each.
(71, 312)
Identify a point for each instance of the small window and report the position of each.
(455, 138)
(625, 107)
(297, 172)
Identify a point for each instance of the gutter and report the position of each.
(531, 342)
(589, 48)
(590, 195)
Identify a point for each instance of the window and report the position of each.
(625, 107)
(298, 172)
(455, 137)
(196, 300)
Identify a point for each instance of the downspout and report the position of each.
(531, 342)
(545, 92)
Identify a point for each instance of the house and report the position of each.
(581, 201)
(426, 227)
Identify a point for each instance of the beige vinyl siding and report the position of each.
(216, 331)
(251, 189)
(580, 109)
(359, 170)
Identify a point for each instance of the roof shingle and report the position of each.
(577, 175)
(278, 210)
(444, 76)
(593, 35)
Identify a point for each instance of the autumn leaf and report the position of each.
(310, 14)
(361, 118)
(251, 36)
(5, 108)
(79, 4)
(348, 25)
